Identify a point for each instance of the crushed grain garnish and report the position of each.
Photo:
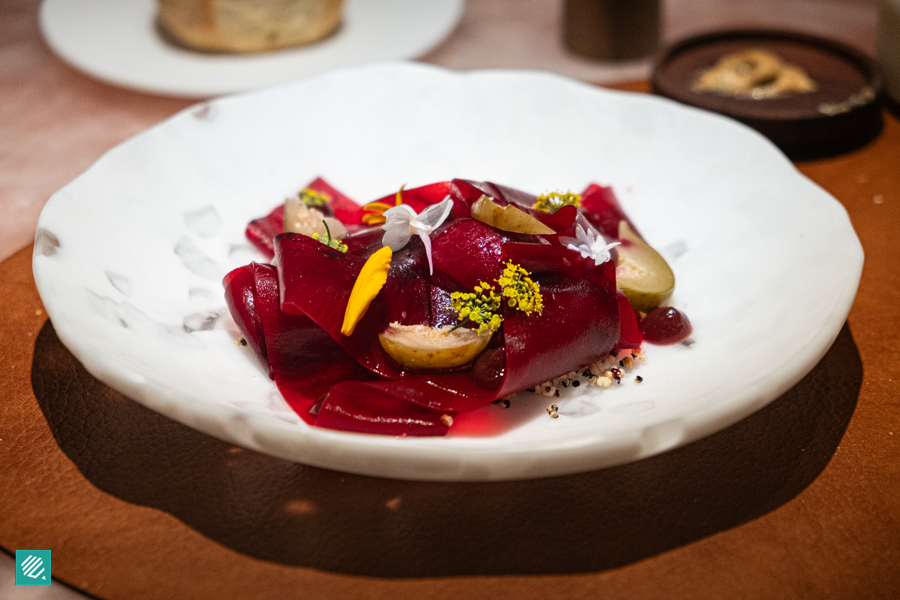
(601, 373)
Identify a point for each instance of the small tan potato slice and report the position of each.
(507, 218)
(424, 347)
(641, 273)
(300, 218)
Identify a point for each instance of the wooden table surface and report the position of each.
(801, 500)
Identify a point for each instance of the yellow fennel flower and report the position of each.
(522, 292)
(554, 201)
(328, 241)
(479, 307)
(313, 198)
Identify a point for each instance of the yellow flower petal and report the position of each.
(375, 210)
(377, 206)
(368, 283)
(373, 219)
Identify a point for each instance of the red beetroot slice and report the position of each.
(261, 232)
(240, 297)
(505, 195)
(462, 194)
(364, 242)
(303, 360)
(380, 407)
(631, 336)
(466, 252)
(601, 208)
(345, 210)
(562, 221)
(407, 288)
(579, 325)
(539, 258)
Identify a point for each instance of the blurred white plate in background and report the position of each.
(116, 41)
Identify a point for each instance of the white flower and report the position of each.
(589, 243)
(401, 222)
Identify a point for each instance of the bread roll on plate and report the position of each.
(248, 26)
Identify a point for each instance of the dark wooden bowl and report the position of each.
(843, 114)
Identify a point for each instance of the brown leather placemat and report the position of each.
(801, 500)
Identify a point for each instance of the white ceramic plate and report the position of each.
(129, 256)
(116, 41)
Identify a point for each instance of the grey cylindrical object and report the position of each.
(612, 29)
(889, 48)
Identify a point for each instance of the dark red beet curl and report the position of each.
(629, 330)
